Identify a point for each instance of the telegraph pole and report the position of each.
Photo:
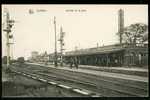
(9, 24)
(61, 45)
(55, 57)
(12, 56)
(7, 37)
(97, 45)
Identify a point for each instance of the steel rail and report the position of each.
(70, 75)
(76, 90)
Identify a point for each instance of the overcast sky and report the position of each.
(93, 24)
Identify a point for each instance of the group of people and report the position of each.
(74, 61)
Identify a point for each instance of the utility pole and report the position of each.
(9, 24)
(61, 45)
(97, 45)
(55, 57)
(12, 56)
(76, 48)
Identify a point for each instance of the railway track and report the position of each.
(140, 88)
(117, 88)
(106, 87)
(52, 80)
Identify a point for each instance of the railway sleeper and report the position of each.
(119, 90)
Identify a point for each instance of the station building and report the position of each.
(52, 57)
(111, 55)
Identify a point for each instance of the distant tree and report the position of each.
(135, 33)
(145, 37)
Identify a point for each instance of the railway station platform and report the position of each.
(122, 70)
(87, 70)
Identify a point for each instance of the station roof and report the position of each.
(96, 50)
(103, 49)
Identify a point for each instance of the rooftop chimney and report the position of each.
(120, 23)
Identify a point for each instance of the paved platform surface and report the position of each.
(101, 73)
(144, 69)
(139, 71)
(119, 68)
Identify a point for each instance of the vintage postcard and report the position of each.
(74, 50)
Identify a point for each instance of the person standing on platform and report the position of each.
(76, 62)
(71, 62)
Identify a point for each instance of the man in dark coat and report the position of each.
(71, 62)
(76, 62)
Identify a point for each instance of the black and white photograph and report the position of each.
(74, 50)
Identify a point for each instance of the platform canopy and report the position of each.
(97, 50)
